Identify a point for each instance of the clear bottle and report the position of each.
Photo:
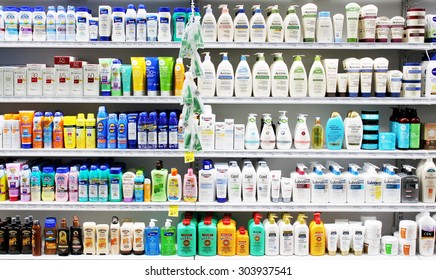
(317, 134)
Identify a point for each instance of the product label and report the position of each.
(93, 190)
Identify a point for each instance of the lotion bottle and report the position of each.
(174, 186)
(225, 25)
(317, 82)
(426, 236)
(301, 233)
(243, 79)
(249, 182)
(373, 184)
(301, 184)
(353, 129)
(206, 182)
(279, 77)
(251, 139)
(319, 181)
(159, 179)
(207, 82)
(272, 237)
(355, 185)
(242, 25)
(263, 182)
(234, 182)
(261, 77)
(257, 26)
(297, 78)
(274, 26)
(391, 185)
(427, 181)
(209, 25)
(190, 191)
(267, 137)
(292, 26)
(225, 77)
(301, 133)
(284, 136)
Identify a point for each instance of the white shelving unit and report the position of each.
(131, 257)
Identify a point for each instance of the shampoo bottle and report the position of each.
(159, 179)
(334, 132)
(301, 133)
(353, 128)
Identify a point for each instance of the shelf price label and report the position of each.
(189, 157)
(173, 211)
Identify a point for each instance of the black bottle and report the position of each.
(4, 237)
(14, 234)
(26, 237)
(76, 238)
(63, 239)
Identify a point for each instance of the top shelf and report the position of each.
(221, 45)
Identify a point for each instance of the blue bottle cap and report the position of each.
(164, 9)
(179, 10)
(47, 170)
(83, 168)
(62, 170)
(39, 9)
(141, 6)
(25, 9)
(118, 10)
(82, 9)
(131, 6)
(93, 167)
(324, 14)
(50, 222)
(115, 170)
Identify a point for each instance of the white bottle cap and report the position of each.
(152, 223)
(168, 223)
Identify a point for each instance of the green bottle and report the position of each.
(207, 235)
(257, 237)
(168, 239)
(251, 221)
(159, 182)
(186, 239)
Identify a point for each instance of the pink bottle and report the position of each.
(73, 184)
(190, 191)
(61, 182)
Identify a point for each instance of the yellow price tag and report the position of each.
(189, 157)
(173, 211)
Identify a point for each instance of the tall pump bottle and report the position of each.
(275, 31)
(159, 179)
(242, 25)
(267, 136)
(292, 26)
(206, 83)
(243, 79)
(225, 25)
(317, 82)
(257, 25)
(209, 25)
(301, 133)
(301, 184)
(252, 138)
(301, 233)
(297, 78)
(427, 180)
(225, 77)
(261, 77)
(284, 136)
(279, 77)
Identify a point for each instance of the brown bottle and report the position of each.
(76, 239)
(63, 239)
(14, 237)
(50, 236)
(36, 239)
(26, 237)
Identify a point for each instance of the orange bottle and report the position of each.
(58, 131)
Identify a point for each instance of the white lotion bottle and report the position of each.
(209, 25)
(279, 77)
(292, 26)
(249, 186)
(207, 82)
(241, 25)
(263, 182)
(243, 79)
(225, 77)
(317, 82)
(301, 133)
(261, 77)
(297, 78)
(324, 28)
(251, 139)
(225, 25)
(274, 26)
(426, 236)
(234, 182)
(267, 136)
(284, 136)
(257, 26)
(301, 184)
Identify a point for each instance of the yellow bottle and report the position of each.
(242, 242)
(81, 131)
(316, 215)
(179, 76)
(147, 190)
(317, 237)
(90, 131)
(228, 215)
(70, 132)
(317, 134)
(226, 241)
(3, 184)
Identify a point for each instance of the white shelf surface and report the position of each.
(168, 153)
(220, 45)
(325, 257)
(94, 206)
(94, 257)
(215, 206)
(220, 100)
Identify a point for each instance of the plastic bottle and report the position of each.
(141, 24)
(415, 130)
(80, 131)
(241, 25)
(40, 22)
(279, 77)
(142, 130)
(128, 186)
(190, 191)
(256, 232)
(48, 130)
(221, 181)
(297, 78)
(301, 184)
(60, 24)
(226, 238)
(25, 23)
(94, 181)
(2, 24)
(61, 181)
(391, 185)
(225, 25)
(409, 185)
(73, 184)
(234, 182)
(427, 179)
(272, 237)
(317, 238)
(115, 184)
(263, 182)
(139, 186)
(249, 182)
(48, 184)
(317, 134)
(225, 77)
(174, 186)
(324, 28)
(118, 24)
(209, 25)
(102, 118)
(179, 23)
(267, 136)
(373, 184)
(152, 131)
(317, 80)
(355, 185)
(103, 186)
(35, 184)
(252, 138)
(243, 79)
(426, 235)
(292, 26)
(90, 131)
(274, 26)
(319, 181)
(132, 130)
(82, 24)
(353, 130)
(334, 132)
(206, 182)
(58, 131)
(301, 133)
(173, 142)
(257, 25)
(159, 179)
(131, 23)
(206, 83)
(69, 132)
(112, 131)
(83, 184)
(284, 136)
(179, 76)
(337, 184)
(38, 121)
(70, 33)
(152, 235)
(162, 131)
(105, 22)
(168, 239)
(403, 131)
(207, 237)
(261, 77)
(186, 239)
(164, 26)
(122, 131)
(25, 183)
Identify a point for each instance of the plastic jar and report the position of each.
(407, 247)
(408, 229)
(371, 246)
(412, 71)
(373, 230)
(389, 245)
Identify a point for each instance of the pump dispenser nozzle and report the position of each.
(225, 55)
(272, 218)
(224, 8)
(408, 169)
(168, 223)
(152, 223)
(389, 168)
(301, 169)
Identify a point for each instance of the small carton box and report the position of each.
(48, 81)
(91, 80)
(8, 81)
(20, 81)
(63, 60)
(228, 127)
(429, 136)
(76, 75)
(62, 80)
(34, 79)
(1, 81)
(220, 136)
(238, 136)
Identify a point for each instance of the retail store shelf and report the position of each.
(95, 206)
(293, 153)
(94, 257)
(92, 99)
(314, 207)
(325, 257)
(221, 45)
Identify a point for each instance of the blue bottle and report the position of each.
(122, 131)
(152, 239)
(162, 131)
(102, 128)
(47, 130)
(132, 137)
(152, 131)
(179, 23)
(142, 130)
(94, 181)
(83, 183)
(103, 187)
(334, 132)
(173, 142)
(112, 131)
(139, 186)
